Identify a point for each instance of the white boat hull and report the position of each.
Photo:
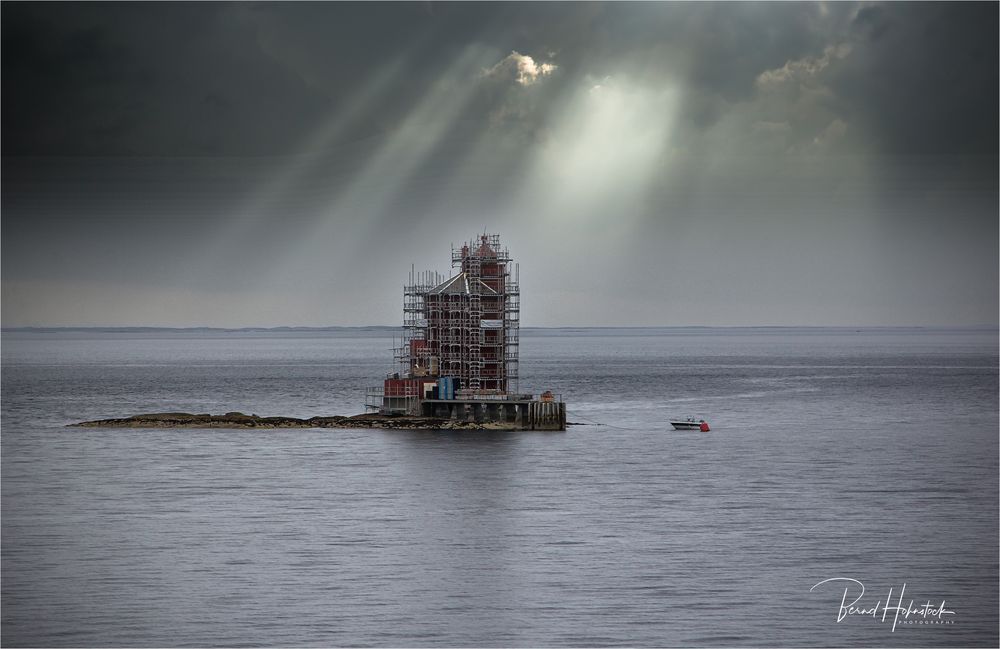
(690, 423)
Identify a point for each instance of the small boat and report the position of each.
(690, 423)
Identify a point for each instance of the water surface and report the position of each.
(869, 454)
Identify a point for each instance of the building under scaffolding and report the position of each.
(458, 357)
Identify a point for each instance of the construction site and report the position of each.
(458, 356)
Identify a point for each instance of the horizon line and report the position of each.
(336, 327)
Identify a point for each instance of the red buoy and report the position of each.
(704, 426)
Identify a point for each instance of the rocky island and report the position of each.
(241, 420)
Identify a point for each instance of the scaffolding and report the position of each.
(464, 326)
(412, 352)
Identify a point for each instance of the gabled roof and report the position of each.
(459, 284)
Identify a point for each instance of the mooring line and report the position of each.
(600, 423)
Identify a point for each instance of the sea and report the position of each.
(846, 495)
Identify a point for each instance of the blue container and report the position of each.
(449, 388)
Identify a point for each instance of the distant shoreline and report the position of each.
(561, 328)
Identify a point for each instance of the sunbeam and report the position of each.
(352, 221)
(589, 181)
(235, 234)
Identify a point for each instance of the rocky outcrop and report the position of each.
(240, 420)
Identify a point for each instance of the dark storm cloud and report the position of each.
(921, 77)
(143, 79)
(206, 78)
(232, 79)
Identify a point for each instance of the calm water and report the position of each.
(868, 454)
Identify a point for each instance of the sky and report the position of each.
(647, 164)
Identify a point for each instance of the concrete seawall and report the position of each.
(547, 415)
(517, 415)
